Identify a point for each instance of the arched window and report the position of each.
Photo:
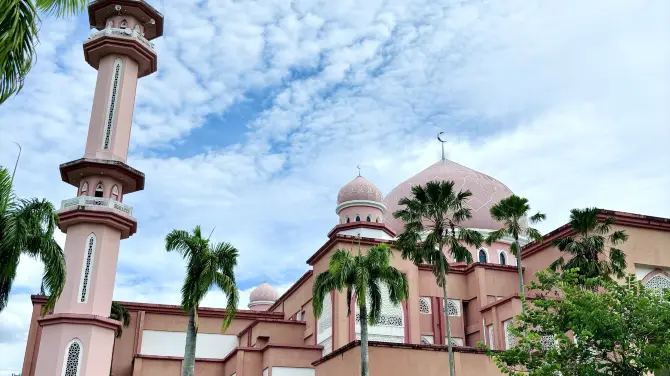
(348, 220)
(113, 100)
(84, 188)
(453, 307)
(87, 268)
(659, 283)
(358, 218)
(377, 220)
(72, 360)
(124, 24)
(503, 258)
(115, 193)
(483, 257)
(424, 305)
(369, 219)
(99, 190)
(390, 325)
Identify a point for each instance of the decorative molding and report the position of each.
(348, 204)
(80, 319)
(362, 224)
(74, 171)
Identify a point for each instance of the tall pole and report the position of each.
(17, 161)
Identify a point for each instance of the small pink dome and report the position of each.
(264, 293)
(359, 189)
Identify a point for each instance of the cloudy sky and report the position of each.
(261, 110)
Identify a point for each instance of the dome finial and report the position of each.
(359, 169)
(442, 142)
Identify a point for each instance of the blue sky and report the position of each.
(261, 110)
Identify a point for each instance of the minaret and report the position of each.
(77, 339)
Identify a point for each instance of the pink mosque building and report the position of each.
(278, 335)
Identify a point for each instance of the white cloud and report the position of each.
(566, 103)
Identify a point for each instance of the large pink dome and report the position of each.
(359, 189)
(486, 192)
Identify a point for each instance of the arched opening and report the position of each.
(483, 257)
(377, 220)
(115, 193)
(84, 189)
(390, 325)
(99, 190)
(503, 258)
(347, 220)
(358, 218)
(124, 24)
(369, 219)
(72, 361)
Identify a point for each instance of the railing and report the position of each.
(125, 32)
(96, 201)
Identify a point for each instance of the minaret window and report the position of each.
(87, 268)
(503, 258)
(124, 24)
(358, 218)
(72, 361)
(99, 190)
(84, 188)
(115, 193)
(369, 219)
(483, 257)
(113, 101)
(377, 220)
(348, 220)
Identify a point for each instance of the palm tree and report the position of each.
(432, 217)
(207, 265)
(118, 313)
(588, 247)
(27, 228)
(362, 275)
(512, 212)
(19, 24)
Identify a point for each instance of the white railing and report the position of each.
(125, 32)
(96, 201)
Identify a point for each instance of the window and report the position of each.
(424, 305)
(456, 341)
(113, 99)
(124, 24)
(324, 326)
(99, 190)
(115, 193)
(453, 307)
(510, 341)
(358, 218)
(87, 267)
(659, 282)
(427, 340)
(84, 188)
(348, 220)
(72, 360)
(491, 339)
(503, 258)
(369, 219)
(390, 325)
(547, 342)
(483, 257)
(377, 220)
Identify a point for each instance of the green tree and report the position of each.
(27, 228)
(362, 276)
(120, 313)
(513, 213)
(588, 247)
(19, 25)
(620, 330)
(207, 265)
(432, 217)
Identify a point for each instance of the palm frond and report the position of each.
(495, 236)
(537, 218)
(227, 285)
(323, 285)
(62, 8)
(375, 297)
(18, 35)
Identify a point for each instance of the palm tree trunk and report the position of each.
(522, 294)
(188, 366)
(365, 359)
(448, 326)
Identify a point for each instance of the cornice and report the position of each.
(290, 291)
(272, 321)
(361, 224)
(80, 319)
(348, 204)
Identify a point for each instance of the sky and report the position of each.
(262, 109)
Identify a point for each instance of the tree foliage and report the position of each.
(19, 25)
(120, 313)
(588, 249)
(27, 228)
(620, 329)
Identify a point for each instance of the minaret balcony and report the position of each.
(121, 32)
(89, 202)
(97, 210)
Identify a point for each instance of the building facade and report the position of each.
(278, 335)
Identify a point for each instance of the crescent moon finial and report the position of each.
(439, 138)
(359, 169)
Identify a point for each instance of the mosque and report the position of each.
(277, 335)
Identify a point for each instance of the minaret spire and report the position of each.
(442, 143)
(359, 169)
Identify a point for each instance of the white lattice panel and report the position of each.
(325, 322)
(390, 323)
(424, 305)
(453, 307)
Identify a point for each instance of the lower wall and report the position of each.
(164, 343)
(407, 360)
